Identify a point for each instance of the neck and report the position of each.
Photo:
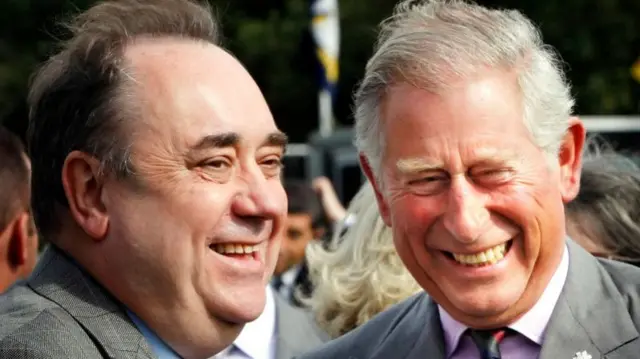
(191, 338)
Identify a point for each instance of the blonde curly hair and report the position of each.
(359, 274)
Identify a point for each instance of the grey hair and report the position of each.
(360, 274)
(606, 211)
(431, 43)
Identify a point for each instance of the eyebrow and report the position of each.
(217, 141)
(416, 165)
(230, 139)
(276, 139)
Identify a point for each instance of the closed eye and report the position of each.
(492, 176)
(428, 185)
(425, 180)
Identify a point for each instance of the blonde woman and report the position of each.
(359, 275)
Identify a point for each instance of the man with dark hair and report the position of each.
(18, 238)
(605, 216)
(156, 180)
(305, 222)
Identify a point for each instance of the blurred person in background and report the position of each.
(464, 126)
(359, 274)
(306, 222)
(605, 216)
(334, 210)
(156, 180)
(18, 237)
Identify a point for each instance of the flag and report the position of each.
(325, 27)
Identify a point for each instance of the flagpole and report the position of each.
(325, 27)
(325, 113)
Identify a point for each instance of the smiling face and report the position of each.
(475, 206)
(193, 238)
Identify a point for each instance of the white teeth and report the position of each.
(490, 256)
(230, 248)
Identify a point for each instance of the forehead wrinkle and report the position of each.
(493, 155)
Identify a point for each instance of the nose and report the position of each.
(466, 216)
(260, 199)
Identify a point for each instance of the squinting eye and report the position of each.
(218, 164)
(493, 177)
(494, 173)
(273, 163)
(426, 180)
(428, 185)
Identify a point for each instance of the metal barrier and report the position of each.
(608, 124)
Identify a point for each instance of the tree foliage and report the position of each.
(598, 39)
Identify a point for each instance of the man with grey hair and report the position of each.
(156, 179)
(464, 126)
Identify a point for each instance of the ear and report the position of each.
(570, 159)
(377, 188)
(17, 249)
(82, 184)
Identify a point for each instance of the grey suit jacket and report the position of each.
(597, 312)
(61, 312)
(297, 331)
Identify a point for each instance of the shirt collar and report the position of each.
(532, 324)
(257, 337)
(158, 346)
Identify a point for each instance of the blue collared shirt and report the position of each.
(158, 346)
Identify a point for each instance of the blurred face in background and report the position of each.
(297, 234)
(476, 207)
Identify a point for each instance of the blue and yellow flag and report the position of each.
(325, 27)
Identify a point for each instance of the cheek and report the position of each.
(202, 205)
(300, 247)
(414, 215)
(285, 246)
(277, 197)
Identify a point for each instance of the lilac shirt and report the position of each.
(530, 327)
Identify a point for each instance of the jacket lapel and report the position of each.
(431, 340)
(590, 314)
(62, 281)
(417, 335)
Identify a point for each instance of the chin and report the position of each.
(486, 307)
(482, 307)
(242, 309)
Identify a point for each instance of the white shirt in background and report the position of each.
(258, 339)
